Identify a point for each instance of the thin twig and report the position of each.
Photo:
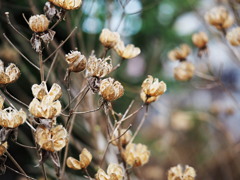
(9, 94)
(51, 67)
(20, 173)
(84, 112)
(25, 146)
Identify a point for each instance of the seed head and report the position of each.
(128, 52)
(108, 38)
(9, 74)
(177, 172)
(200, 40)
(38, 23)
(114, 172)
(233, 36)
(53, 139)
(184, 71)
(219, 17)
(180, 53)
(67, 4)
(85, 159)
(110, 89)
(77, 61)
(136, 154)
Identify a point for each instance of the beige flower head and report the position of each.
(180, 53)
(77, 62)
(136, 154)
(85, 159)
(108, 38)
(128, 52)
(53, 139)
(9, 74)
(39, 23)
(200, 40)
(12, 118)
(114, 172)
(152, 89)
(45, 104)
(233, 36)
(67, 4)
(97, 67)
(219, 17)
(110, 89)
(178, 173)
(184, 71)
(3, 148)
(124, 139)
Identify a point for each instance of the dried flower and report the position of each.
(200, 40)
(99, 67)
(12, 118)
(233, 36)
(110, 89)
(114, 172)
(180, 53)
(177, 172)
(124, 139)
(219, 17)
(45, 104)
(9, 74)
(108, 38)
(53, 139)
(85, 159)
(152, 89)
(136, 154)
(128, 52)
(67, 4)
(38, 23)
(3, 147)
(181, 120)
(77, 61)
(184, 71)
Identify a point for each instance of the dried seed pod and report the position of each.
(184, 71)
(180, 53)
(39, 91)
(124, 139)
(77, 62)
(177, 172)
(39, 23)
(152, 89)
(219, 17)
(98, 67)
(136, 154)
(108, 38)
(233, 36)
(3, 147)
(85, 159)
(12, 118)
(200, 40)
(67, 4)
(114, 172)
(101, 175)
(128, 52)
(53, 139)
(10, 74)
(110, 89)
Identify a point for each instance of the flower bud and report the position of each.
(177, 172)
(111, 90)
(128, 52)
(12, 118)
(219, 17)
(38, 23)
(3, 148)
(53, 139)
(233, 36)
(98, 67)
(77, 61)
(200, 40)
(184, 71)
(152, 89)
(108, 38)
(67, 4)
(124, 139)
(180, 53)
(136, 155)
(9, 74)
(85, 159)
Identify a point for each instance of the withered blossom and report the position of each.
(3, 147)
(39, 23)
(67, 4)
(9, 74)
(114, 172)
(184, 71)
(200, 40)
(177, 172)
(180, 53)
(77, 62)
(108, 38)
(233, 36)
(126, 52)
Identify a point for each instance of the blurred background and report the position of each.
(195, 122)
